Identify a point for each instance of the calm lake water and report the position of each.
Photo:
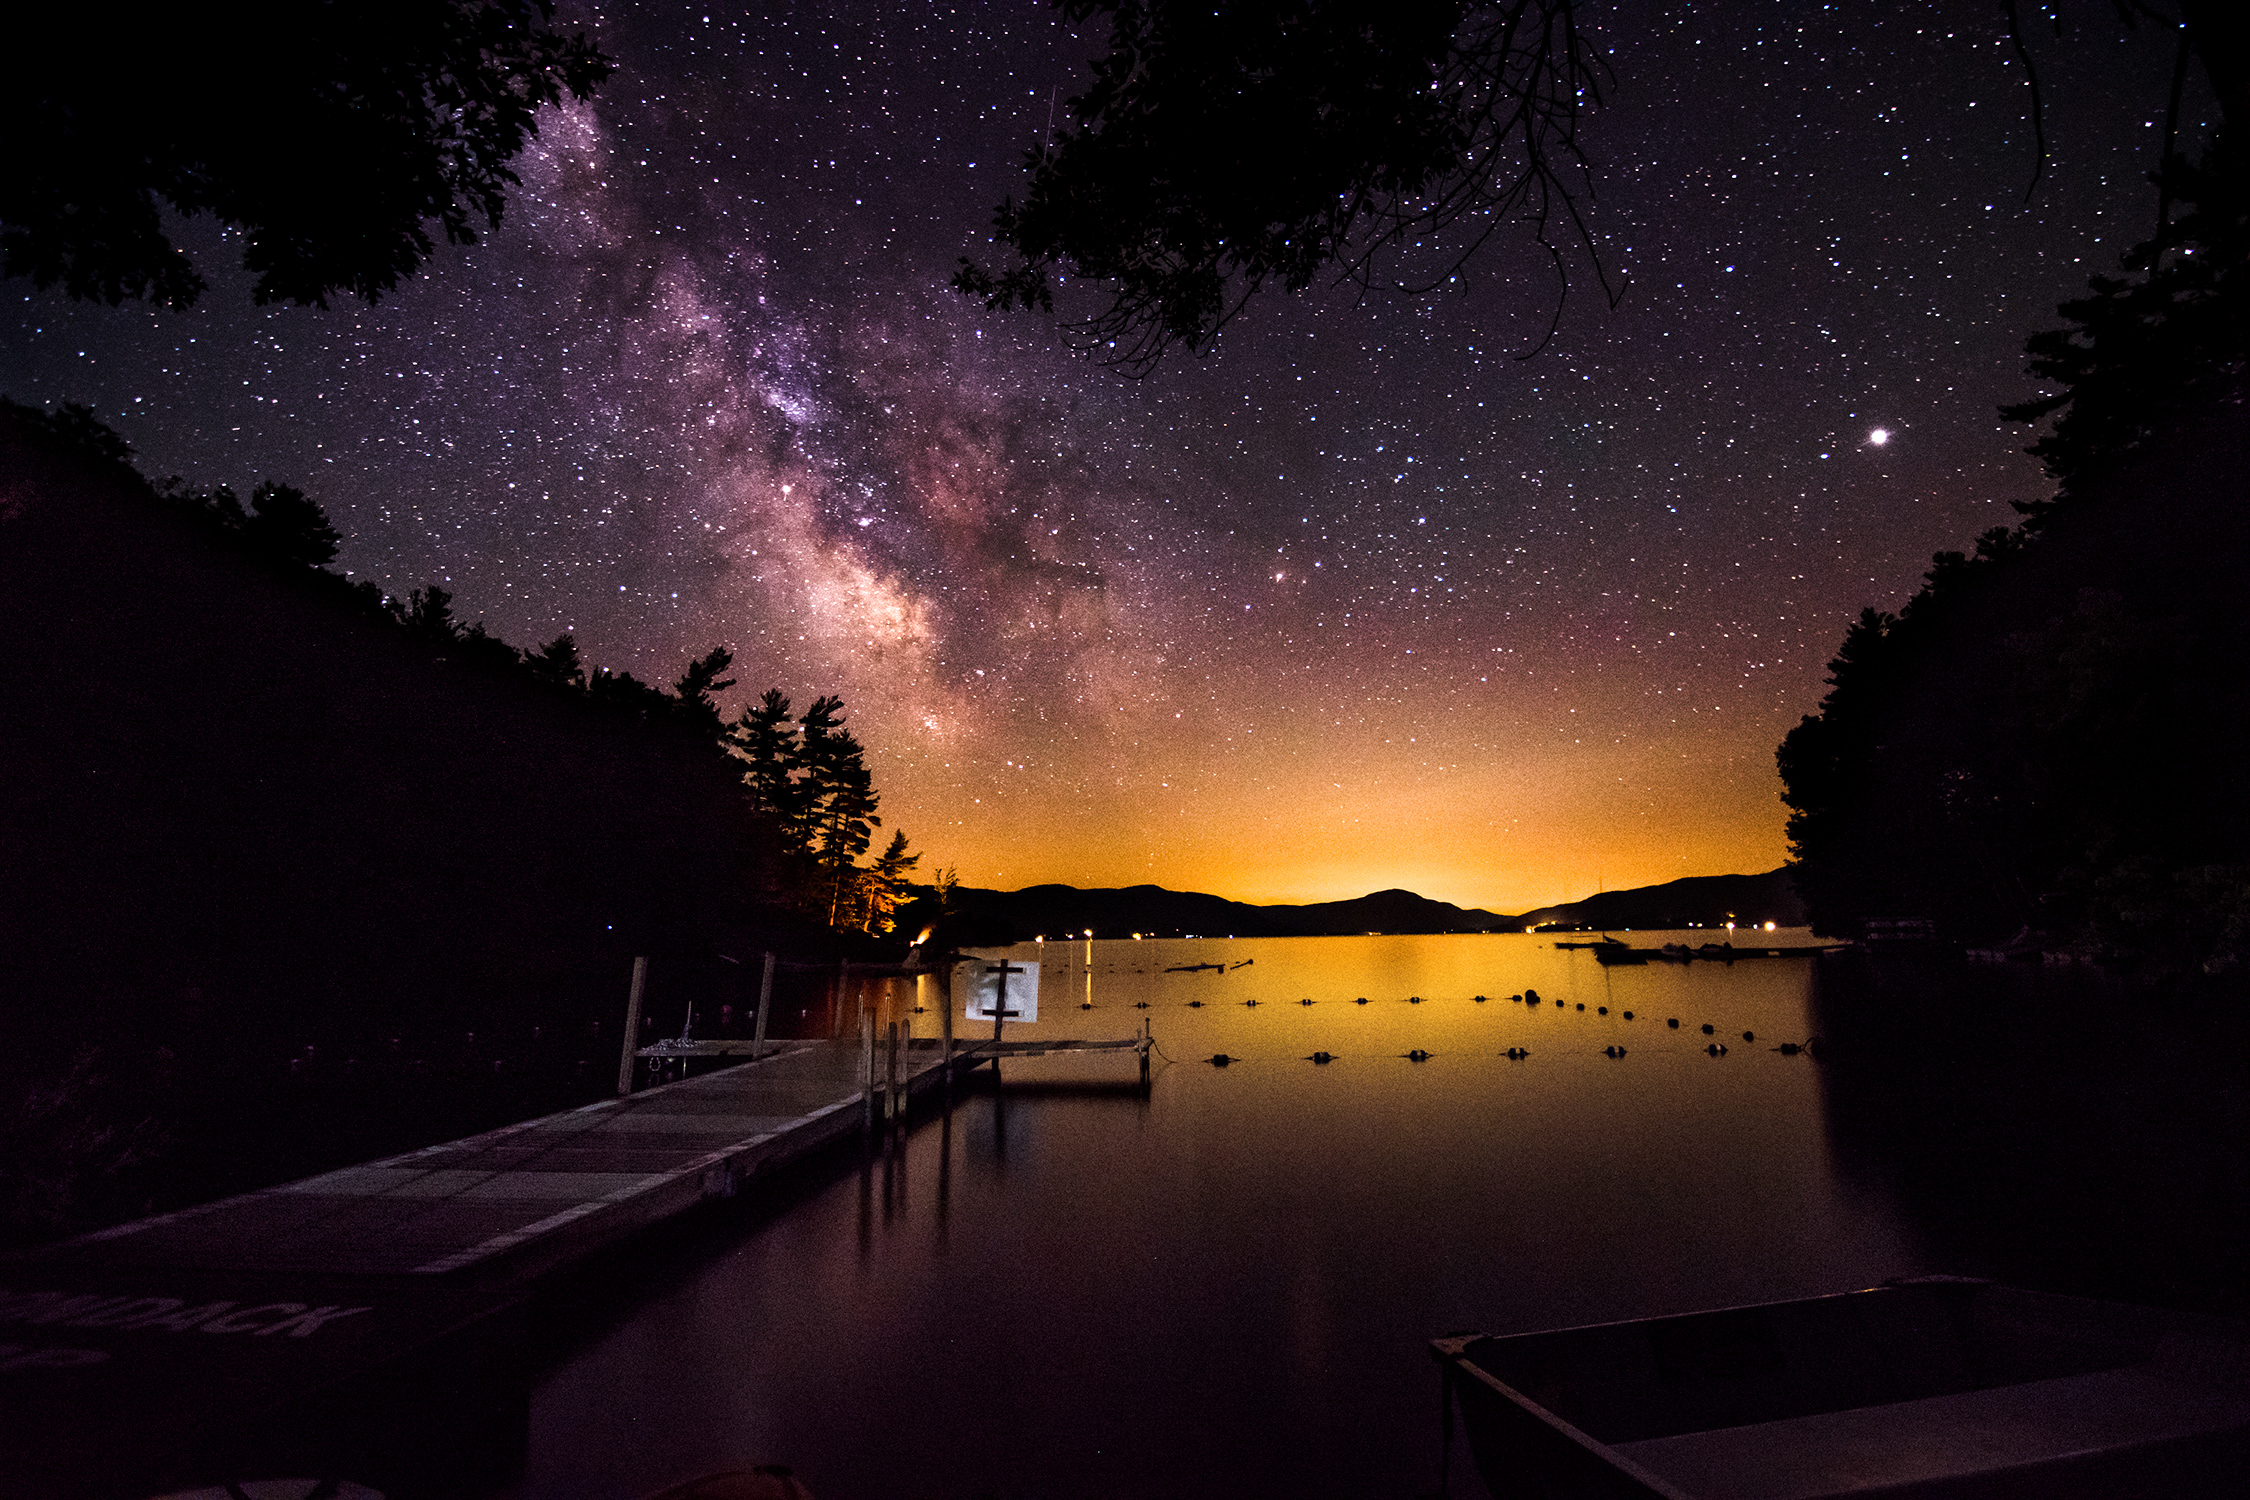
(1225, 1287)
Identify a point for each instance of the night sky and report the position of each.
(1358, 600)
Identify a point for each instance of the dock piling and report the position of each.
(632, 1027)
(765, 998)
(945, 1025)
(866, 1074)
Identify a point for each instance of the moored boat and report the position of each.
(1923, 1389)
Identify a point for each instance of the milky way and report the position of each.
(1360, 599)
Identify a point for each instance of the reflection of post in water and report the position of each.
(898, 1157)
(890, 1185)
(999, 1117)
(944, 1163)
(891, 1110)
(866, 1204)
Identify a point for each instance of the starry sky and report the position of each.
(1361, 598)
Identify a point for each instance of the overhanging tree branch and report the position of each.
(1224, 149)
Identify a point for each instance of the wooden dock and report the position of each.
(149, 1334)
(1612, 954)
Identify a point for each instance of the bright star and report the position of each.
(1879, 436)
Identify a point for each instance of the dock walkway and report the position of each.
(155, 1329)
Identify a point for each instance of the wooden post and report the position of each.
(945, 1024)
(765, 997)
(1000, 1011)
(632, 1027)
(867, 1072)
(906, 1049)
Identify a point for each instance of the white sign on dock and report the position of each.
(984, 990)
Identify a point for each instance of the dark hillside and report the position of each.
(257, 838)
(1703, 900)
(1697, 901)
(1014, 916)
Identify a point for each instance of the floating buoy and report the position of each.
(1306, 1001)
(1788, 1049)
(1516, 1054)
(1195, 1005)
(1086, 1005)
(1531, 997)
(1249, 1002)
(1220, 1060)
(1322, 1057)
(1140, 1005)
(1628, 1015)
(1517, 999)
(1613, 1051)
(1673, 1022)
(1478, 998)
(1717, 1049)
(1581, 1005)
(1601, 1010)
(1708, 1029)
(1362, 1000)
(1749, 1036)
(1413, 999)
(1417, 1055)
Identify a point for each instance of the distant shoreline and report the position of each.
(1702, 901)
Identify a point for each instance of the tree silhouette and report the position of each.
(810, 775)
(1226, 144)
(698, 683)
(2143, 349)
(837, 795)
(766, 737)
(429, 615)
(287, 527)
(73, 426)
(332, 135)
(557, 663)
(886, 884)
(2044, 739)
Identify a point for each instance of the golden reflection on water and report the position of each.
(1222, 1287)
(1384, 997)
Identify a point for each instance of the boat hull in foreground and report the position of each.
(1939, 1388)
